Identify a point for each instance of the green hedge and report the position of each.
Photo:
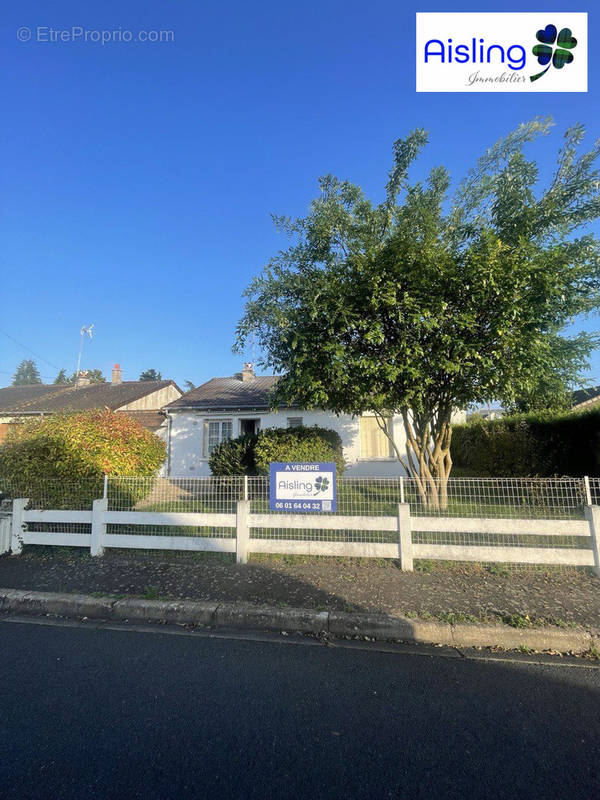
(252, 454)
(234, 456)
(298, 444)
(542, 444)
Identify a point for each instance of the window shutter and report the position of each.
(373, 441)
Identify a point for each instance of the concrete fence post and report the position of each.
(5, 532)
(592, 514)
(586, 489)
(405, 538)
(242, 531)
(16, 544)
(98, 526)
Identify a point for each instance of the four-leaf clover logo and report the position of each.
(321, 484)
(553, 48)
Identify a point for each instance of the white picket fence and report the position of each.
(5, 533)
(243, 522)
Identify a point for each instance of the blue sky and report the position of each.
(139, 178)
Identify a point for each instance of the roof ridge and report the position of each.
(44, 398)
(230, 392)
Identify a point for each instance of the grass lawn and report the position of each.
(382, 500)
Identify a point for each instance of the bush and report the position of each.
(542, 444)
(234, 456)
(252, 454)
(298, 444)
(60, 461)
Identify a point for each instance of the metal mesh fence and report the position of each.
(557, 499)
(203, 531)
(212, 495)
(196, 495)
(490, 498)
(500, 498)
(355, 496)
(519, 498)
(594, 496)
(375, 497)
(530, 498)
(484, 539)
(53, 494)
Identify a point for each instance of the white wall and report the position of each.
(187, 429)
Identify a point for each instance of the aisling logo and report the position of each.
(553, 47)
(501, 51)
(321, 484)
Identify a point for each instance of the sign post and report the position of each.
(302, 488)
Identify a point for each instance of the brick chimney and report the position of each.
(247, 373)
(116, 375)
(82, 379)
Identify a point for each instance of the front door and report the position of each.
(248, 426)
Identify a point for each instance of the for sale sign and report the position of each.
(302, 488)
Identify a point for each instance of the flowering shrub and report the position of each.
(57, 458)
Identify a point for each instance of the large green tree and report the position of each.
(425, 302)
(550, 393)
(150, 375)
(62, 378)
(27, 374)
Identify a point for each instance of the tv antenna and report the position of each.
(85, 331)
(252, 353)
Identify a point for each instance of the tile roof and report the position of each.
(42, 399)
(229, 393)
(585, 396)
(152, 420)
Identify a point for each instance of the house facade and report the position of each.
(225, 408)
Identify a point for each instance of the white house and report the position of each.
(224, 408)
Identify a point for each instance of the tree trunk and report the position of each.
(428, 460)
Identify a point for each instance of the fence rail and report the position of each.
(528, 521)
(542, 498)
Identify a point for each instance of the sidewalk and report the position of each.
(456, 593)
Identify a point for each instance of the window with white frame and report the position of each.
(373, 441)
(215, 432)
(248, 426)
(294, 422)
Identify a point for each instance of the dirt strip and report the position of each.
(565, 597)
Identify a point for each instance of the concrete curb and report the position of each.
(305, 620)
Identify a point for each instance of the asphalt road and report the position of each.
(98, 713)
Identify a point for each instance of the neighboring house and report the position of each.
(141, 400)
(224, 408)
(486, 413)
(585, 398)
